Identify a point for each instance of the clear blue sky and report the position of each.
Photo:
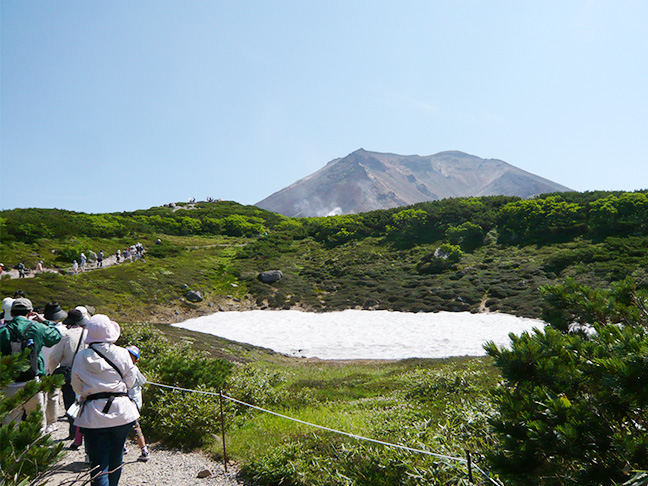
(122, 105)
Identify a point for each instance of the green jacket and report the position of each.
(44, 334)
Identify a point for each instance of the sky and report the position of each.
(124, 105)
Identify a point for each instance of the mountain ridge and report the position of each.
(364, 181)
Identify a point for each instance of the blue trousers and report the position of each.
(106, 450)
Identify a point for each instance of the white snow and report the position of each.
(357, 334)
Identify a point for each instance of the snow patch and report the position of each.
(357, 334)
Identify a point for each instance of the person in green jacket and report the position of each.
(43, 333)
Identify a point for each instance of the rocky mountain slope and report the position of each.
(364, 181)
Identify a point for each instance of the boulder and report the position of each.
(271, 276)
(194, 296)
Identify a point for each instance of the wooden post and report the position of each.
(220, 392)
(469, 461)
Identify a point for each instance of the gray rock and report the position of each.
(205, 473)
(370, 303)
(194, 296)
(271, 276)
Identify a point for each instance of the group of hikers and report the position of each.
(133, 252)
(130, 253)
(102, 390)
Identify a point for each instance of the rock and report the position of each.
(205, 473)
(194, 296)
(271, 276)
(370, 304)
(184, 286)
(457, 275)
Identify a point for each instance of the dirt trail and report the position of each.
(108, 261)
(165, 466)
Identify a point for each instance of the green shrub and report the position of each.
(257, 386)
(573, 403)
(186, 420)
(467, 235)
(69, 253)
(24, 453)
(163, 250)
(187, 368)
(180, 419)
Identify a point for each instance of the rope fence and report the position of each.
(467, 460)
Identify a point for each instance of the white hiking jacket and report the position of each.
(92, 374)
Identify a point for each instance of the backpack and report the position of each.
(19, 342)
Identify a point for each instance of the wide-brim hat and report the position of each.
(75, 318)
(84, 311)
(102, 330)
(6, 306)
(53, 312)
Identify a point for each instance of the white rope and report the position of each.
(340, 432)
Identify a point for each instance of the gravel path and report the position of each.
(166, 466)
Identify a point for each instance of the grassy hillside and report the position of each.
(459, 254)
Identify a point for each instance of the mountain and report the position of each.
(364, 181)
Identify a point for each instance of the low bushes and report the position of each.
(180, 419)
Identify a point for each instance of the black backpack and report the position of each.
(19, 342)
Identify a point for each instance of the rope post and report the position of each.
(220, 393)
(469, 462)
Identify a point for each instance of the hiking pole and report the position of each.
(220, 393)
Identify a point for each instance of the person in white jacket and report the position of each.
(62, 356)
(101, 376)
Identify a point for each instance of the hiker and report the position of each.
(83, 259)
(118, 255)
(62, 356)
(6, 310)
(53, 313)
(39, 266)
(36, 333)
(100, 259)
(101, 376)
(135, 393)
(75, 267)
(1, 269)
(21, 269)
